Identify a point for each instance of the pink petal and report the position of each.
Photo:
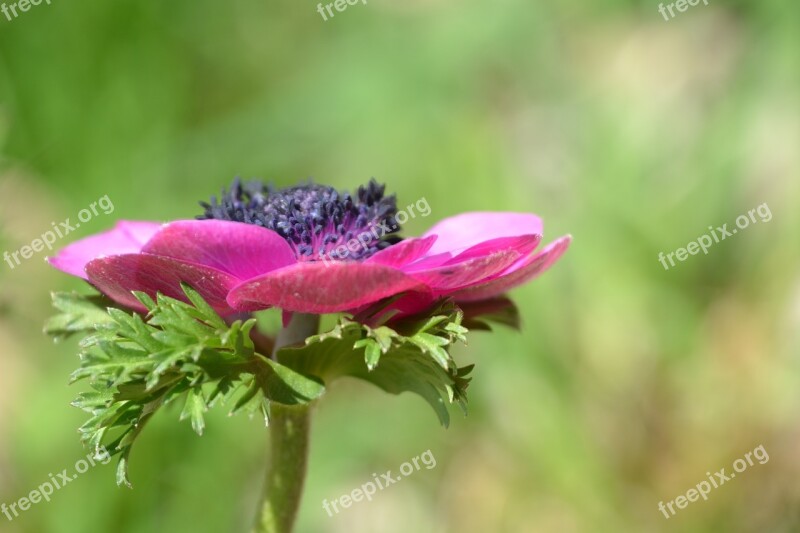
(452, 277)
(426, 263)
(523, 245)
(404, 252)
(242, 250)
(126, 237)
(321, 287)
(118, 275)
(469, 229)
(532, 267)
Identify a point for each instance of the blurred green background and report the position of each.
(627, 383)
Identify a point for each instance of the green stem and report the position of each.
(289, 442)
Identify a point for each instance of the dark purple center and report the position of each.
(319, 222)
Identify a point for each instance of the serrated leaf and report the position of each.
(206, 311)
(252, 391)
(145, 299)
(222, 391)
(432, 345)
(286, 386)
(383, 336)
(414, 360)
(372, 352)
(195, 408)
(77, 313)
(122, 471)
(135, 365)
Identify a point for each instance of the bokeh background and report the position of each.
(627, 382)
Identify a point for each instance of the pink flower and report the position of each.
(311, 249)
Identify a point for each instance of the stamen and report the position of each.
(319, 222)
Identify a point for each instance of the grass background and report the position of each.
(634, 134)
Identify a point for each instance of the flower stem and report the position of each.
(289, 442)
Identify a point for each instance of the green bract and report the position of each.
(186, 352)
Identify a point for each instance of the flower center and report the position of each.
(319, 222)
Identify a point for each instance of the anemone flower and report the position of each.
(306, 250)
(311, 249)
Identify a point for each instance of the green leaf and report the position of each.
(411, 356)
(180, 352)
(194, 408)
(77, 313)
(372, 353)
(284, 385)
(122, 470)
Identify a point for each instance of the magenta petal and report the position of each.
(469, 229)
(118, 275)
(428, 262)
(126, 237)
(532, 267)
(403, 253)
(523, 245)
(242, 250)
(321, 287)
(449, 277)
